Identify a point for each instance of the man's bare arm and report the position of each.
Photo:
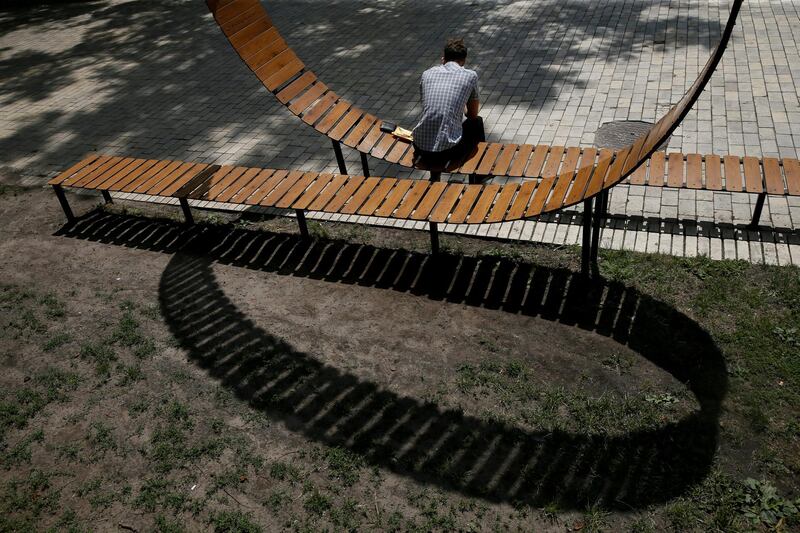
(472, 108)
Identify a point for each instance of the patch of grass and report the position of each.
(160, 493)
(52, 306)
(346, 515)
(277, 500)
(343, 465)
(317, 503)
(101, 355)
(284, 471)
(56, 340)
(165, 525)
(25, 499)
(234, 522)
(101, 438)
(130, 374)
(20, 453)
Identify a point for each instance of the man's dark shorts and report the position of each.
(472, 135)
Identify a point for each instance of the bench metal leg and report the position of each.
(301, 222)
(62, 199)
(364, 165)
(757, 210)
(436, 175)
(434, 238)
(107, 197)
(598, 221)
(337, 148)
(187, 213)
(586, 246)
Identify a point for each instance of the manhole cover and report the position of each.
(621, 133)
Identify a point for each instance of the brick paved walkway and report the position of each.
(153, 78)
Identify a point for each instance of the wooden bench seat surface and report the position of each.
(566, 179)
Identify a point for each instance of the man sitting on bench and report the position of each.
(448, 91)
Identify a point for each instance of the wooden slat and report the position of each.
(220, 181)
(713, 173)
(398, 151)
(187, 181)
(118, 171)
(284, 74)
(360, 196)
(553, 163)
(144, 184)
(91, 167)
(382, 146)
(135, 169)
(792, 169)
(312, 192)
(465, 203)
(260, 58)
(263, 43)
(252, 30)
(227, 12)
(377, 197)
(330, 118)
(639, 176)
(489, 157)
(520, 160)
(657, 167)
(587, 165)
(772, 175)
(296, 87)
(428, 202)
(328, 193)
(360, 129)
(373, 134)
(242, 20)
(733, 175)
(344, 194)
(408, 159)
(132, 180)
(296, 190)
(566, 173)
(240, 183)
(275, 64)
(694, 171)
(91, 172)
(411, 199)
(394, 197)
(281, 188)
(534, 168)
(248, 190)
(540, 197)
(446, 202)
(105, 171)
(521, 201)
(504, 199)
(307, 98)
(319, 109)
(481, 208)
(471, 163)
(752, 174)
(596, 181)
(83, 163)
(267, 187)
(675, 170)
(504, 159)
(344, 125)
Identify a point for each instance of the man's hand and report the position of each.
(472, 108)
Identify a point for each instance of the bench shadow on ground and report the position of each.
(479, 457)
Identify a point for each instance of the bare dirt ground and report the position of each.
(233, 377)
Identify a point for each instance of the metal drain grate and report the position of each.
(621, 133)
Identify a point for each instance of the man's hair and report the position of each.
(455, 50)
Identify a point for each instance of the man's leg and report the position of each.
(473, 134)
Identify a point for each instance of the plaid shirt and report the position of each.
(445, 91)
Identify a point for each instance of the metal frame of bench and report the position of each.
(250, 31)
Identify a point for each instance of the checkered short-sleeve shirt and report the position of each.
(445, 91)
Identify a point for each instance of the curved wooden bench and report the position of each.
(568, 175)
